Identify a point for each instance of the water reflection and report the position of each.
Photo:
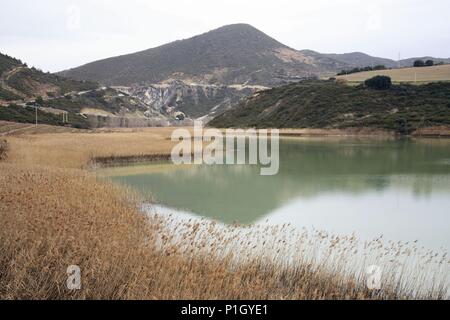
(399, 188)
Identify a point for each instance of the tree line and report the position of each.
(428, 63)
(356, 70)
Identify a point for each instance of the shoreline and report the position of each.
(117, 161)
(16, 129)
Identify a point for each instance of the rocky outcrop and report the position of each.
(180, 100)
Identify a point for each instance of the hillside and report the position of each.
(424, 74)
(234, 54)
(86, 105)
(361, 60)
(19, 83)
(410, 61)
(90, 106)
(330, 104)
(202, 76)
(103, 107)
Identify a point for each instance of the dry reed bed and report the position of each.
(48, 224)
(53, 214)
(111, 161)
(408, 270)
(75, 150)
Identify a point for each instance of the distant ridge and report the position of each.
(359, 59)
(233, 54)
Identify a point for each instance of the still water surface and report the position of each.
(396, 188)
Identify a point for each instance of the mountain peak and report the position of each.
(243, 34)
(241, 26)
(232, 54)
(236, 27)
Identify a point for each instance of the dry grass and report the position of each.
(3, 149)
(98, 229)
(75, 150)
(423, 75)
(48, 224)
(55, 214)
(440, 132)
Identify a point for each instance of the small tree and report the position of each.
(39, 100)
(419, 63)
(429, 63)
(379, 83)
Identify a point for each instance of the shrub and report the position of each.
(379, 83)
(380, 67)
(39, 100)
(429, 63)
(419, 63)
(356, 70)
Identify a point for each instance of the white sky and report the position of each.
(59, 34)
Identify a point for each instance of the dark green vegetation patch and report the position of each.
(328, 104)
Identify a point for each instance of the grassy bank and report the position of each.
(55, 214)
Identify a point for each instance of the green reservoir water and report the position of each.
(396, 188)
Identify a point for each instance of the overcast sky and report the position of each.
(58, 34)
